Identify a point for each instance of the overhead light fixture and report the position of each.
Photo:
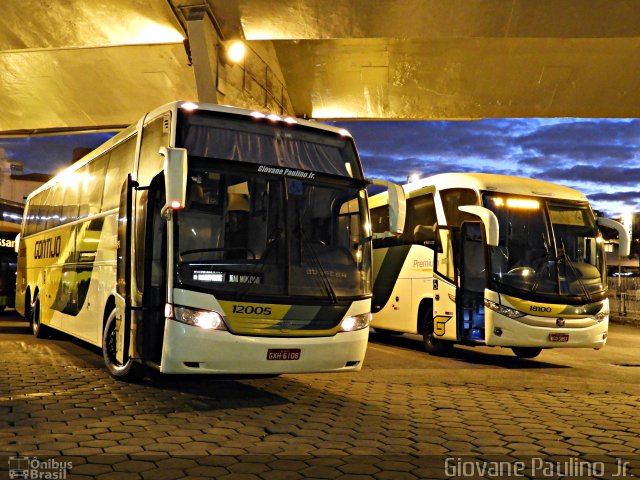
(236, 50)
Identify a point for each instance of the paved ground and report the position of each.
(480, 413)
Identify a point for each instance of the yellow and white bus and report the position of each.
(492, 260)
(206, 239)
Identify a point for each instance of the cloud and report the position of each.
(596, 140)
(606, 175)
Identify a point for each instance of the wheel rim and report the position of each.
(35, 318)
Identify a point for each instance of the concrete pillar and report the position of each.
(204, 44)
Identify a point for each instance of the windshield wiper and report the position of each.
(563, 257)
(326, 283)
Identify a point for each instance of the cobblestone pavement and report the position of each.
(405, 416)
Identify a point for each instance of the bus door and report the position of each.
(445, 280)
(473, 273)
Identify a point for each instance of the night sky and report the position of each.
(600, 157)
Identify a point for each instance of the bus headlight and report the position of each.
(355, 322)
(198, 318)
(503, 310)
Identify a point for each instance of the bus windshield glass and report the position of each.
(547, 249)
(272, 212)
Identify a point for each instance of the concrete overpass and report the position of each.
(75, 65)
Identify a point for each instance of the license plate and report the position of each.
(558, 337)
(283, 354)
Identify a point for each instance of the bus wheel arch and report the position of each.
(27, 304)
(526, 352)
(432, 344)
(130, 370)
(35, 316)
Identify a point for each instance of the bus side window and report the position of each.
(154, 136)
(35, 223)
(452, 198)
(92, 178)
(120, 164)
(70, 201)
(421, 220)
(54, 200)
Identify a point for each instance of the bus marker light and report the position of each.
(190, 106)
(258, 115)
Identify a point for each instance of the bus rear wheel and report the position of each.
(35, 319)
(432, 344)
(526, 352)
(130, 371)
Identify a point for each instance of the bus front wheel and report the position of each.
(432, 344)
(526, 352)
(130, 370)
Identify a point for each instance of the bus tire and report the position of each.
(130, 371)
(35, 319)
(526, 352)
(433, 345)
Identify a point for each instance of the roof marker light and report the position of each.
(290, 120)
(189, 106)
(258, 115)
(273, 117)
(344, 133)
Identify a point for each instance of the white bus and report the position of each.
(206, 239)
(492, 260)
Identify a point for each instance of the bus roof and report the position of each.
(173, 106)
(496, 183)
(484, 182)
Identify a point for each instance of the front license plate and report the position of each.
(283, 354)
(558, 337)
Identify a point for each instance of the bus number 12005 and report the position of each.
(251, 310)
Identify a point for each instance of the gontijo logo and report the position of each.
(47, 248)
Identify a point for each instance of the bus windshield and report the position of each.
(547, 249)
(245, 235)
(272, 211)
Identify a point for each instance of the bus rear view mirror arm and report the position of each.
(624, 241)
(397, 204)
(175, 178)
(489, 220)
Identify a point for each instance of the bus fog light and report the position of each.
(199, 318)
(356, 322)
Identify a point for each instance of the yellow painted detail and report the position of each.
(439, 324)
(552, 309)
(268, 319)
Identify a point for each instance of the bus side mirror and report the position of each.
(175, 178)
(624, 240)
(397, 204)
(488, 219)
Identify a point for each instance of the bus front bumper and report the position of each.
(507, 332)
(189, 349)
